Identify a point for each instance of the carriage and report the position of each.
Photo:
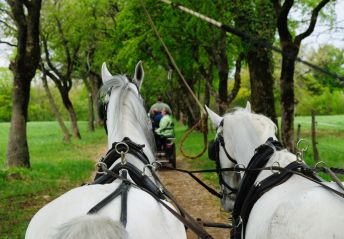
(166, 154)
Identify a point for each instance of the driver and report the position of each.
(165, 130)
(159, 105)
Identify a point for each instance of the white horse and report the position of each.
(67, 216)
(297, 208)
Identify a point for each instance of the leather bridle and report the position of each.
(214, 154)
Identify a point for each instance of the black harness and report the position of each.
(141, 180)
(214, 154)
(249, 192)
(122, 171)
(122, 190)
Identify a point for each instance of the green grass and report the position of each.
(55, 168)
(192, 146)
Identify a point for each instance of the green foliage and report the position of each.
(324, 104)
(56, 167)
(5, 95)
(330, 59)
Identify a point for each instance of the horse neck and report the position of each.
(127, 126)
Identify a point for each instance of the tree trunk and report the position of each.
(26, 15)
(287, 97)
(17, 149)
(71, 113)
(222, 63)
(90, 113)
(262, 97)
(90, 105)
(55, 110)
(237, 79)
(96, 83)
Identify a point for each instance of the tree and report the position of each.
(54, 108)
(61, 43)
(26, 15)
(290, 45)
(256, 20)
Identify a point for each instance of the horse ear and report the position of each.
(139, 74)
(248, 107)
(106, 75)
(214, 118)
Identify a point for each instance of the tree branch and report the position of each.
(8, 43)
(282, 18)
(8, 25)
(313, 21)
(47, 57)
(64, 43)
(5, 11)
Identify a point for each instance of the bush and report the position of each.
(328, 103)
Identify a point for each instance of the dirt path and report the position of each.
(197, 201)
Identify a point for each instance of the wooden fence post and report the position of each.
(314, 142)
(298, 136)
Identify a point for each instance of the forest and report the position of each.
(58, 48)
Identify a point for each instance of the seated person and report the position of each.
(155, 118)
(166, 128)
(159, 105)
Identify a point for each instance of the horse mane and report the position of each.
(127, 100)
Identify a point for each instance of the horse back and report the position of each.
(297, 209)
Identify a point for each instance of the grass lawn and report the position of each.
(55, 168)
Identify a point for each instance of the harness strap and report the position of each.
(262, 155)
(140, 179)
(255, 192)
(112, 155)
(184, 217)
(222, 143)
(204, 185)
(122, 190)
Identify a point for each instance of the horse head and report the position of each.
(238, 134)
(123, 109)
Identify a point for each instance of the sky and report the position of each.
(320, 36)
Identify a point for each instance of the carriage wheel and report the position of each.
(173, 157)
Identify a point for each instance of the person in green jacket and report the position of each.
(166, 126)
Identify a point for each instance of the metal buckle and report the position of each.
(318, 163)
(156, 165)
(301, 150)
(102, 166)
(147, 166)
(122, 153)
(238, 166)
(276, 171)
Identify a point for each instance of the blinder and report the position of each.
(213, 150)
